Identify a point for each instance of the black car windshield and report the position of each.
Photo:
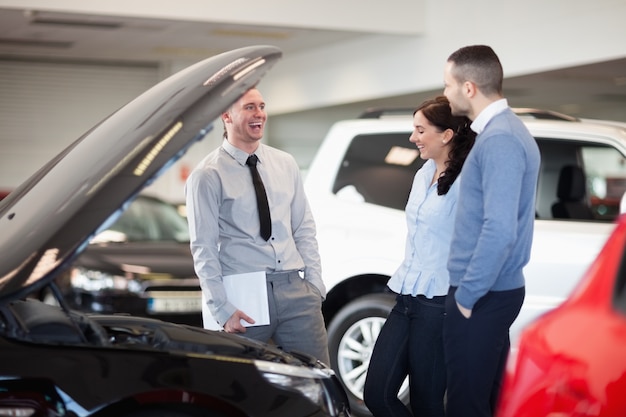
(147, 219)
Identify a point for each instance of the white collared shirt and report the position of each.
(498, 106)
(224, 221)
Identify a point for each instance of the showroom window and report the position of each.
(45, 106)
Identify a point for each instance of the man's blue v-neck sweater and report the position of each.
(495, 211)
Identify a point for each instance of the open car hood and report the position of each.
(47, 221)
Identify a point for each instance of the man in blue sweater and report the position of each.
(493, 232)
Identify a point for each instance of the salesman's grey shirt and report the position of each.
(224, 222)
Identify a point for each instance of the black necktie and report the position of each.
(261, 198)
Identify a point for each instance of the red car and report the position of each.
(572, 360)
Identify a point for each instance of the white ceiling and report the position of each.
(593, 90)
(122, 38)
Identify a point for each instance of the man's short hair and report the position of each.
(480, 65)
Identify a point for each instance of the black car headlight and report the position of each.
(308, 381)
(91, 280)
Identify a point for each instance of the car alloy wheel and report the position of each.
(352, 335)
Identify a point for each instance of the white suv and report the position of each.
(358, 185)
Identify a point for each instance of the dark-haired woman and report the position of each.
(410, 342)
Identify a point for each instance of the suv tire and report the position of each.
(351, 338)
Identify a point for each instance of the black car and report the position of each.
(140, 265)
(57, 361)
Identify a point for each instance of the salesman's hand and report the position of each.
(467, 313)
(233, 324)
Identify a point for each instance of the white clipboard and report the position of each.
(247, 292)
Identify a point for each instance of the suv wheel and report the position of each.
(351, 337)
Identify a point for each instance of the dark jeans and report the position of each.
(410, 343)
(476, 350)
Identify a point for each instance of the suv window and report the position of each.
(604, 177)
(379, 169)
(605, 169)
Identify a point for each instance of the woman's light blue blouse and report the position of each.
(430, 220)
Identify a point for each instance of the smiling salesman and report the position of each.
(232, 233)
